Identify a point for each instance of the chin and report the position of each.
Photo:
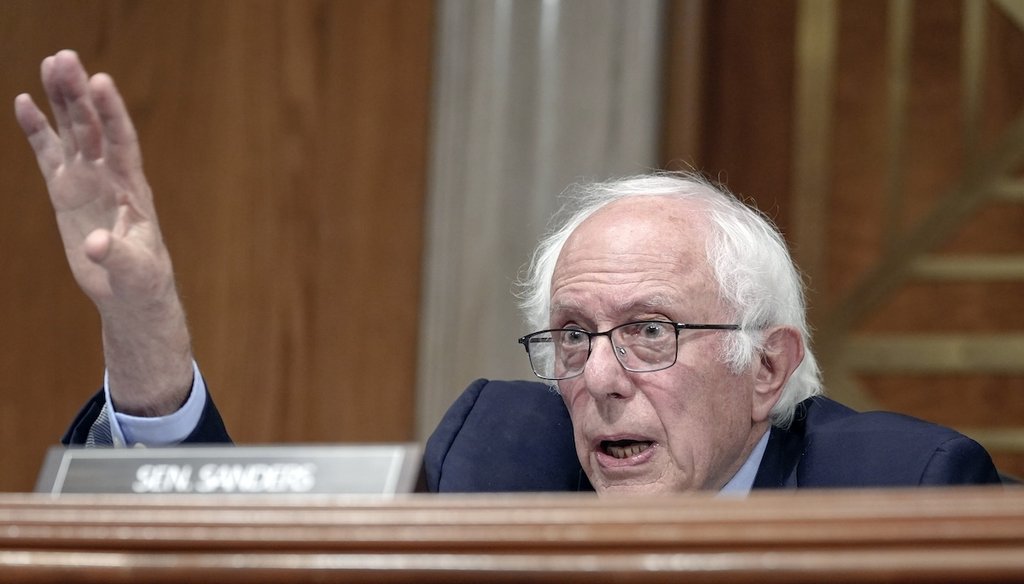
(632, 489)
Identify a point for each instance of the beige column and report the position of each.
(529, 97)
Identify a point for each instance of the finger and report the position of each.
(44, 141)
(60, 110)
(73, 84)
(121, 147)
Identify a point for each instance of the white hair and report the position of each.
(756, 275)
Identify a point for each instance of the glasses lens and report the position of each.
(558, 354)
(540, 348)
(645, 346)
(571, 351)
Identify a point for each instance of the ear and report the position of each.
(782, 353)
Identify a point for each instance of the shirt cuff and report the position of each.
(166, 430)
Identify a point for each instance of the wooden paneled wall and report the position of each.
(286, 141)
(286, 145)
(886, 139)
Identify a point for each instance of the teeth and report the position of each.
(626, 449)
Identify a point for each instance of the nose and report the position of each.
(604, 376)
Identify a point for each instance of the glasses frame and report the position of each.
(526, 340)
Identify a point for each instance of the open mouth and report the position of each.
(624, 448)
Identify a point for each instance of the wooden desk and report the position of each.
(968, 535)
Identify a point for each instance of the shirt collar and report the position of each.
(741, 483)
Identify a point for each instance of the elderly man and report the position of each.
(670, 317)
(702, 335)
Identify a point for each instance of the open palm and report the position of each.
(93, 171)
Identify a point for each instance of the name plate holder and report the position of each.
(356, 469)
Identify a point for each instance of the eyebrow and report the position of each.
(643, 304)
(630, 306)
(564, 305)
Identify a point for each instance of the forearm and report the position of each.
(148, 356)
(92, 166)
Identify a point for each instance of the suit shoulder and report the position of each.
(504, 436)
(848, 448)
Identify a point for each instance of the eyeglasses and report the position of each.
(641, 346)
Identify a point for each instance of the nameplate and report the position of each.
(360, 469)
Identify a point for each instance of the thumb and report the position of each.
(112, 253)
(98, 246)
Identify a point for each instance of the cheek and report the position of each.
(714, 428)
(710, 383)
(702, 406)
(573, 394)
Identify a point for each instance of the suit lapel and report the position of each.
(781, 458)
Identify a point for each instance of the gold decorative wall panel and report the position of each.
(904, 203)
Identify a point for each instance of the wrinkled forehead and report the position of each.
(635, 253)
(658, 224)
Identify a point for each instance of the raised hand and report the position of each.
(93, 170)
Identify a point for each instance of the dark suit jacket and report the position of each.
(517, 436)
(209, 430)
